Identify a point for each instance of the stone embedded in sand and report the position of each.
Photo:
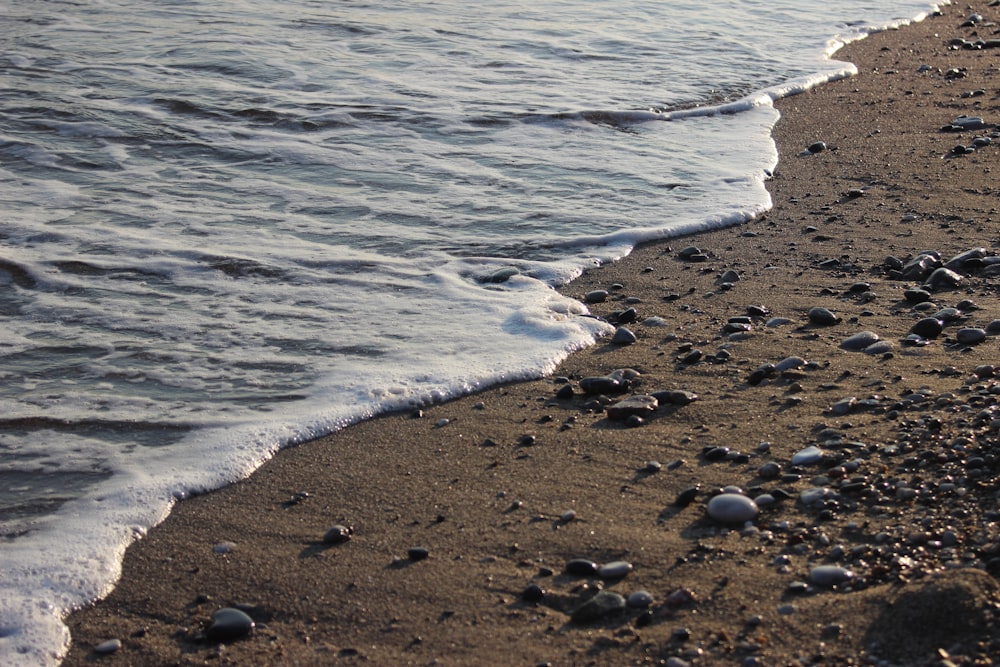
(822, 317)
(532, 593)
(686, 497)
(732, 508)
(596, 296)
(228, 623)
(817, 147)
(640, 405)
(603, 604)
(829, 576)
(859, 341)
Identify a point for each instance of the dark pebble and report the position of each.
(822, 317)
(532, 593)
(686, 497)
(929, 327)
(581, 567)
(417, 553)
(228, 623)
(603, 604)
(337, 535)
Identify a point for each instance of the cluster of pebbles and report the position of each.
(832, 512)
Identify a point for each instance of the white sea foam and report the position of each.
(229, 228)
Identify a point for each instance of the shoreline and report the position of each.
(489, 493)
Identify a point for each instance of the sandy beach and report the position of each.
(471, 528)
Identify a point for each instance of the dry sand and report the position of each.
(911, 502)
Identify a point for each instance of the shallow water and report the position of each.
(232, 226)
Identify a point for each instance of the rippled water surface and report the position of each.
(235, 225)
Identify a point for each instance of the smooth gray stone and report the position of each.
(639, 600)
(970, 335)
(809, 456)
(822, 317)
(502, 275)
(603, 604)
(614, 570)
(829, 576)
(732, 508)
(596, 296)
(109, 646)
(943, 278)
(789, 363)
(880, 347)
(859, 341)
(623, 336)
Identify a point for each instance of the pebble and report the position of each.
(822, 317)
(596, 296)
(623, 336)
(970, 335)
(817, 147)
(639, 600)
(829, 576)
(417, 553)
(502, 275)
(859, 341)
(769, 470)
(581, 567)
(641, 405)
(614, 570)
(338, 534)
(806, 457)
(928, 327)
(228, 623)
(732, 508)
(532, 593)
(789, 363)
(109, 646)
(603, 604)
(943, 278)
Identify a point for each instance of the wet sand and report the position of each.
(518, 482)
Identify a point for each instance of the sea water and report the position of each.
(231, 226)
